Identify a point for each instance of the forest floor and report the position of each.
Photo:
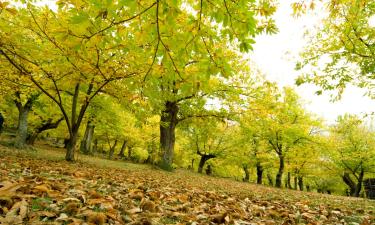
(39, 187)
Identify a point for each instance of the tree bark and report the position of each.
(279, 174)
(86, 143)
(21, 135)
(259, 173)
(168, 123)
(295, 182)
(247, 173)
(121, 154)
(71, 147)
(23, 113)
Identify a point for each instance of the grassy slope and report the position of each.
(114, 192)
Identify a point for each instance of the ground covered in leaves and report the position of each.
(38, 187)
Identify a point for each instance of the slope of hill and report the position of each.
(38, 187)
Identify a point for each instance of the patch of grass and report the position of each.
(165, 166)
(169, 220)
(38, 204)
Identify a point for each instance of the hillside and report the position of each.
(38, 187)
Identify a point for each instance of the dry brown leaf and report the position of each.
(9, 189)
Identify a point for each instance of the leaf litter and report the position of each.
(36, 191)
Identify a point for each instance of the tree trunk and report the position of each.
(247, 173)
(295, 182)
(130, 152)
(203, 160)
(359, 184)
(21, 135)
(86, 143)
(259, 173)
(348, 181)
(71, 147)
(46, 125)
(289, 184)
(168, 123)
(300, 183)
(279, 175)
(112, 150)
(122, 151)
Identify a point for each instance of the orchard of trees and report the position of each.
(164, 82)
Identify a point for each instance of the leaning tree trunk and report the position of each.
(46, 125)
(204, 158)
(168, 123)
(348, 181)
(279, 174)
(259, 173)
(121, 154)
(86, 143)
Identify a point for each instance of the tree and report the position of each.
(341, 51)
(353, 151)
(53, 51)
(210, 139)
(286, 125)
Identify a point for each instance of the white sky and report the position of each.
(276, 56)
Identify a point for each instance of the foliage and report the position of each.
(341, 50)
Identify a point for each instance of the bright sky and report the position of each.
(276, 55)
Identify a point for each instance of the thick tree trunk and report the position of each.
(300, 183)
(71, 147)
(112, 150)
(86, 143)
(259, 173)
(21, 135)
(279, 174)
(121, 154)
(168, 123)
(247, 173)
